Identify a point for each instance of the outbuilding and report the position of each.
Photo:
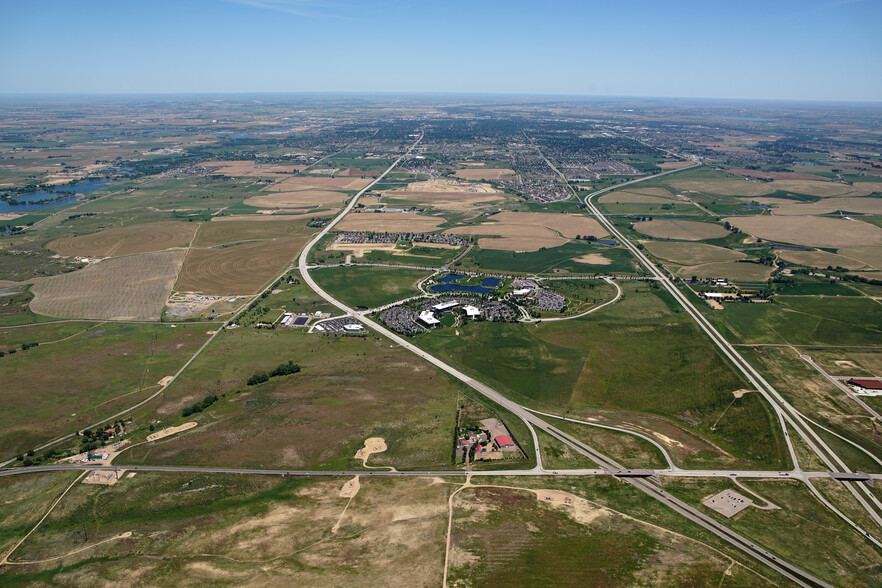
(867, 384)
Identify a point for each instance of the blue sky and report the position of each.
(776, 49)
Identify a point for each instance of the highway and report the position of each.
(533, 421)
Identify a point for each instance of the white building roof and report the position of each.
(521, 292)
(428, 317)
(353, 327)
(446, 305)
(471, 310)
(713, 295)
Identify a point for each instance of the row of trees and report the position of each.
(284, 369)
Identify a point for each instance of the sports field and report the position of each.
(237, 269)
(140, 238)
(135, 287)
(680, 229)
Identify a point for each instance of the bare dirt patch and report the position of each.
(143, 238)
(530, 231)
(391, 222)
(675, 164)
(251, 169)
(372, 445)
(124, 288)
(237, 269)
(447, 185)
(810, 231)
(359, 249)
(679, 229)
(593, 259)
(169, 431)
(479, 173)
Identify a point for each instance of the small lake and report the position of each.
(608, 242)
(490, 282)
(450, 278)
(36, 200)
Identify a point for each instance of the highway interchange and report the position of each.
(644, 480)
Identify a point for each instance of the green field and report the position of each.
(616, 359)
(369, 287)
(83, 377)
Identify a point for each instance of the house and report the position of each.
(866, 384)
(503, 441)
(427, 317)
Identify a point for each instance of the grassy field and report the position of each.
(580, 294)
(349, 389)
(216, 529)
(691, 253)
(617, 359)
(804, 321)
(93, 374)
(369, 287)
(122, 288)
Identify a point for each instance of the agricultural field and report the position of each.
(299, 200)
(691, 253)
(821, 259)
(236, 269)
(318, 183)
(680, 229)
(237, 231)
(348, 389)
(96, 370)
(390, 222)
(369, 287)
(811, 231)
(483, 173)
(531, 231)
(578, 257)
(135, 287)
(144, 238)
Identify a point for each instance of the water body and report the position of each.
(40, 199)
(450, 278)
(461, 288)
(608, 242)
(490, 282)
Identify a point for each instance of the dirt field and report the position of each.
(301, 199)
(359, 249)
(727, 187)
(828, 205)
(391, 222)
(677, 229)
(273, 216)
(143, 238)
(691, 253)
(811, 231)
(455, 201)
(252, 169)
(821, 259)
(238, 269)
(675, 164)
(318, 183)
(129, 288)
(211, 234)
(445, 185)
(593, 259)
(480, 173)
(530, 231)
(823, 189)
(872, 256)
(169, 431)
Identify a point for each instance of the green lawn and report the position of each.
(369, 287)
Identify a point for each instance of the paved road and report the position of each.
(586, 313)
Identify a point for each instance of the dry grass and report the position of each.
(302, 199)
(828, 205)
(319, 183)
(454, 201)
(272, 216)
(724, 187)
(238, 269)
(530, 231)
(675, 164)
(480, 173)
(252, 169)
(391, 222)
(593, 259)
(786, 175)
(823, 189)
(872, 256)
(820, 259)
(125, 288)
(127, 240)
(811, 231)
(628, 197)
(211, 234)
(691, 253)
(678, 229)
(750, 272)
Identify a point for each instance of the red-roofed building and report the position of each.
(866, 383)
(503, 441)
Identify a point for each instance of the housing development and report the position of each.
(460, 341)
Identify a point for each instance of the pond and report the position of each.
(461, 288)
(44, 199)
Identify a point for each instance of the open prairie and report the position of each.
(318, 183)
(214, 233)
(723, 187)
(237, 269)
(691, 253)
(812, 231)
(483, 173)
(143, 238)
(680, 229)
(828, 205)
(121, 288)
(390, 222)
(301, 199)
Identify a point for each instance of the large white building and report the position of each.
(427, 317)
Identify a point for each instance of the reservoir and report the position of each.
(37, 200)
